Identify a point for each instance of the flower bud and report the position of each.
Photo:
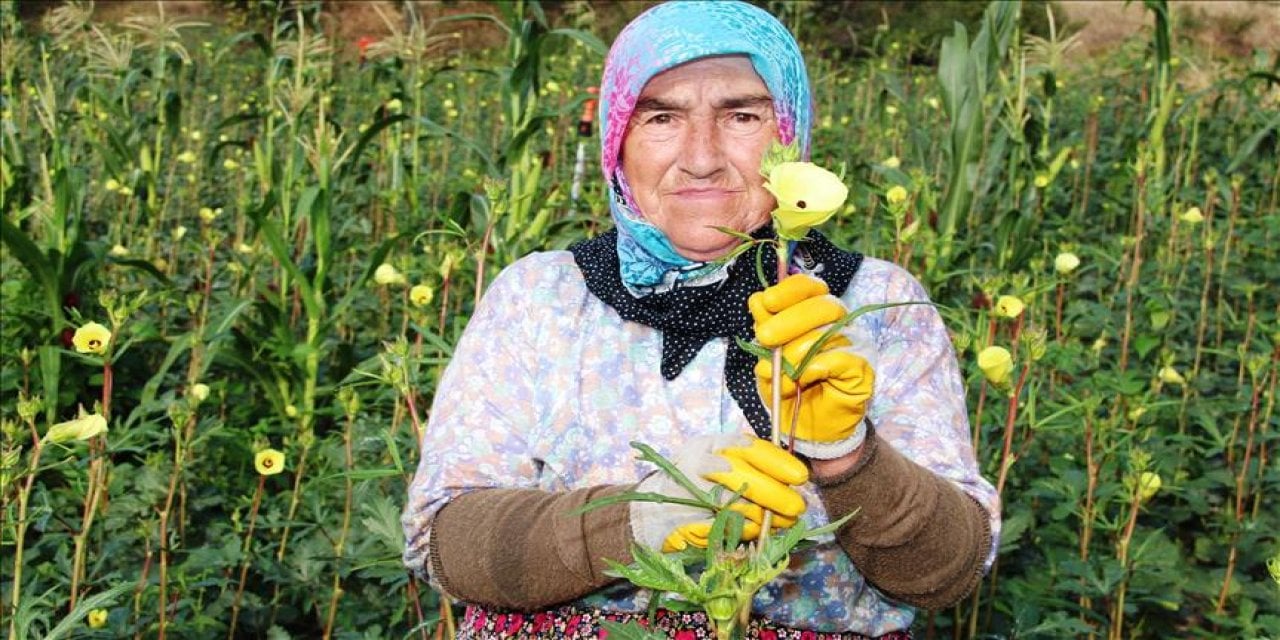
(996, 364)
(1066, 262)
(1169, 375)
(199, 392)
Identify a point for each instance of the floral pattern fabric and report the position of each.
(548, 386)
(571, 623)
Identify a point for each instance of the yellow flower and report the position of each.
(179, 232)
(92, 338)
(421, 295)
(244, 249)
(1042, 180)
(207, 215)
(387, 275)
(1169, 375)
(996, 364)
(230, 165)
(1148, 484)
(394, 105)
(1192, 216)
(1066, 262)
(268, 462)
(196, 135)
(199, 392)
(111, 184)
(896, 195)
(118, 251)
(187, 157)
(1009, 306)
(890, 109)
(97, 618)
(290, 411)
(87, 426)
(892, 162)
(807, 195)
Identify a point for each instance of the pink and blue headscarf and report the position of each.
(663, 37)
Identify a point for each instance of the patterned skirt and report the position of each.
(570, 623)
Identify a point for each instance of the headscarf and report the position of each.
(663, 37)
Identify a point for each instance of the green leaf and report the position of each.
(637, 496)
(648, 454)
(76, 618)
(631, 631)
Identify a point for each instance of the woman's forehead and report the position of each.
(733, 73)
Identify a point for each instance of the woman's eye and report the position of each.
(661, 118)
(745, 118)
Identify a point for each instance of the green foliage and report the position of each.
(232, 209)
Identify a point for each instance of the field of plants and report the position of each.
(237, 255)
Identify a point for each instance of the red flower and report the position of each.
(808, 635)
(685, 635)
(768, 634)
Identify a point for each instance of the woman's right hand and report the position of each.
(733, 461)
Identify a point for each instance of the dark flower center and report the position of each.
(800, 203)
(94, 343)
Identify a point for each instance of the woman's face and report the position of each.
(692, 153)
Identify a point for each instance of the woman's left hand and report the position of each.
(835, 387)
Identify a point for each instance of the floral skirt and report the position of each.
(569, 623)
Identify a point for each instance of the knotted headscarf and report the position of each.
(663, 37)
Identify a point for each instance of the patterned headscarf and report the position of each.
(663, 37)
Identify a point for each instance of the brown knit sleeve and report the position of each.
(525, 549)
(916, 536)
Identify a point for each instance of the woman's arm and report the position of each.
(478, 522)
(926, 522)
(527, 549)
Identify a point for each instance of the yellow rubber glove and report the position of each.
(732, 461)
(835, 386)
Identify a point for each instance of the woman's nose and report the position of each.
(702, 151)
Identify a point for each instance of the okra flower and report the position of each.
(1169, 375)
(892, 162)
(896, 195)
(996, 364)
(1066, 262)
(807, 196)
(199, 392)
(388, 275)
(1148, 484)
(421, 295)
(1009, 307)
(268, 462)
(92, 338)
(1192, 216)
(88, 425)
(97, 618)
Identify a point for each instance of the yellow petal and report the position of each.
(807, 196)
(268, 462)
(1009, 306)
(91, 338)
(82, 428)
(996, 364)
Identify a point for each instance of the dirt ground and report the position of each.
(1223, 28)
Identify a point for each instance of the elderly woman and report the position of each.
(629, 336)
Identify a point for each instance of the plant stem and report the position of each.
(244, 562)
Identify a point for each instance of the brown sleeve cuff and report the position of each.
(917, 537)
(526, 549)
